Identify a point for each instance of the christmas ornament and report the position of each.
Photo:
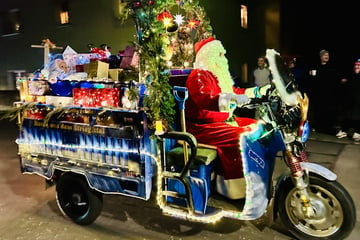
(173, 27)
(137, 4)
(164, 15)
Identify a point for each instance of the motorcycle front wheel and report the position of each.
(334, 210)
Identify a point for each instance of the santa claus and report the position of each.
(209, 113)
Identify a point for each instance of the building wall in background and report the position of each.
(96, 22)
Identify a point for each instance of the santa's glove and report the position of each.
(257, 92)
(227, 102)
(241, 100)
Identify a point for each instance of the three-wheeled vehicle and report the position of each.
(88, 152)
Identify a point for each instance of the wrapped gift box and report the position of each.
(107, 97)
(82, 97)
(33, 98)
(115, 73)
(22, 86)
(75, 61)
(129, 58)
(97, 69)
(92, 97)
(38, 87)
(59, 101)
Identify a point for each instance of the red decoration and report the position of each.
(137, 4)
(36, 112)
(163, 15)
(203, 42)
(193, 24)
(100, 52)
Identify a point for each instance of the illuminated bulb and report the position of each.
(167, 22)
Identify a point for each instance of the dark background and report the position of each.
(310, 26)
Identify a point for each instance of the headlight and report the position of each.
(304, 131)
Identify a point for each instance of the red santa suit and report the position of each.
(208, 113)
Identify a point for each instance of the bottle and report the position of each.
(82, 146)
(96, 154)
(109, 153)
(117, 151)
(88, 147)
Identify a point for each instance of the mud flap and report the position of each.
(199, 193)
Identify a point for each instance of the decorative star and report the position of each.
(193, 24)
(179, 19)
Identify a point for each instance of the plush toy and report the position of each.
(55, 70)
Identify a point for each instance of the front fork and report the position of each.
(300, 178)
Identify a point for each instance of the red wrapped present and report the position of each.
(107, 97)
(82, 97)
(91, 97)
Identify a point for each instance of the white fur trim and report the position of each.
(255, 197)
(231, 188)
(225, 101)
(202, 54)
(289, 99)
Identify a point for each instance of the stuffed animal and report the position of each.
(55, 70)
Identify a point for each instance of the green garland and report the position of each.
(152, 42)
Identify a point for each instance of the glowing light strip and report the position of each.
(144, 153)
(178, 213)
(121, 150)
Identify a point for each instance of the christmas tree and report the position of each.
(166, 31)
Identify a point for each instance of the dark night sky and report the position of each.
(306, 29)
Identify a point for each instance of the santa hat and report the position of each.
(205, 42)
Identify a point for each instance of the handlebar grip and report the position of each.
(184, 96)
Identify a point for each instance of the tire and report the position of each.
(76, 200)
(335, 213)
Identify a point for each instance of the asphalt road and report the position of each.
(29, 211)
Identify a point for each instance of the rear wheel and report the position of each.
(76, 200)
(335, 213)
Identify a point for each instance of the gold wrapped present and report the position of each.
(97, 69)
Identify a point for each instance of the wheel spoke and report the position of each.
(328, 213)
(81, 204)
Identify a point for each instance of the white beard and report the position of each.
(209, 59)
(221, 71)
